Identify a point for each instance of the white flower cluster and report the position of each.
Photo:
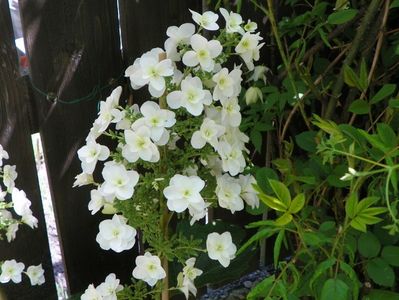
(11, 270)
(203, 91)
(105, 291)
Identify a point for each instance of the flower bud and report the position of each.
(252, 95)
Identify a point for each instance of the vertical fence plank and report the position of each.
(30, 246)
(72, 47)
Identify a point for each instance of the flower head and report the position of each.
(207, 20)
(36, 275)
(9, 176)
(148, 268)
(20, 203)
(185, 279)
(192, 96)
(116, 235)
(3, 155)
(209, 132)
(220, 247)
(233, 21)
(119, 182)
(91, 294)
(110, 287)
(248, 192)
(139, 145)
(204, 52)
(248, 48)
(11, 270)
(228, 192)
(177, 36)
(90, 154)
(183, 191)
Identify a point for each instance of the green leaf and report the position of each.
(342, 16)
(394, 103)
(381, 294)
(281, 191)
(324, 37)
(273, 202)
(350, 205)
(366, 203)
(386, 135)
(284, 219)
(386, 91)
(391, 255)
(348, 270)
(363, 78)
(368, 245)
(262, 178)
(394, 4)
(261, 289)
(380, 272)
(320, 270)
(261, 234)
(256, 139)
(334, 289)
(297, 204)
(351, 78)
(306, 141)
(359, 107)
(277, 247)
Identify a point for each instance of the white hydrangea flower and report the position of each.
(250, 26)
(192, 96)
(209, 133)
(83, 179)
(9, 176)
(227, 84)
(207, 20)
(139, 145)
(97, 201)
(231, 115)
(221, 247)
(91, 294)
(183, 191)
(36, 275)
(3, 155)
(118, 181)
(186, 278)
(197, 211)
(156, 119)
(148, 268)
(29, 219)
(233, 21)
(235, 137)
(12, 232)
(204, 52)
(90, 154)
(11, 270)
(232, 158)
(248, 192)
(149, 70)
(21, 203)
(248, 48)
(228, 192)
(178, 35)
(116, 235)
(110, 287)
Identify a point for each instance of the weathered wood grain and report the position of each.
(30, 246)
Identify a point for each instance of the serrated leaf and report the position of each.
(273, 202)
(284, 219)
(359, 107)
(350, 205)
(384, 92)
(281, 191)
(391, 255)
(277, 247)
(368, 245)
(342, 16)
(297, 204)
(334, 289)
(320, 270)
(380, 272)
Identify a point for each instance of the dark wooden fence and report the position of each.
(72, 46)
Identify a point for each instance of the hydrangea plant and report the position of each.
(175, 156)
(15, 211)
